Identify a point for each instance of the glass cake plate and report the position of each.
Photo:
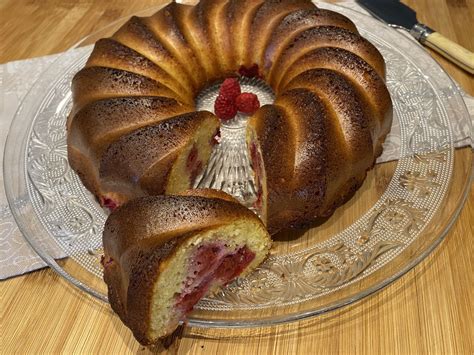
(400, 214)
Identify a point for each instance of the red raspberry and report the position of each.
(247, 103)
(250, 72)
(108, 202)
(225, 108)
(230, 88)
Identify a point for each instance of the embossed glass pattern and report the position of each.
(400, 214)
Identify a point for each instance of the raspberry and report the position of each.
(247, 103)
(250, 72)
(109, 203)
(225, 108)
(230, 88)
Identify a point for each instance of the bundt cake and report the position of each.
(163, 253)
(134, 131)
(332, 107)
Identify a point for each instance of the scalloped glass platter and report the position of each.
(403, 210)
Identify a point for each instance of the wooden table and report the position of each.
(430, 309)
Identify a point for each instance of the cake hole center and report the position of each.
(206, 98)
(230, 168)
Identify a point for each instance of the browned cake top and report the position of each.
(159, 219)
(332, 107)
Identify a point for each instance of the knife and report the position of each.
(396, 14)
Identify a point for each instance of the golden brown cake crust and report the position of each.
(166, 217)
(127, 161)
(329, 140)
(324, 36)
(317, 154)
(296, 22)
(209, 193)
(110, 53)
(99, 123)
(102, 122)
(138, 36)
(266, 18)
(271, 127)
(370, 85)
(97, 83)
(164, 26)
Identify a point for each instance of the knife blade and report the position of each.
(396, 14)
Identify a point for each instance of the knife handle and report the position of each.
(450, 50)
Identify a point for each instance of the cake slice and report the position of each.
(164, 253)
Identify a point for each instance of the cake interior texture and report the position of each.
(202, 265)
(193, 159)
(163, 254)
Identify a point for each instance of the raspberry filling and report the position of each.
(108, 202)
(193, 164)
(216, 138)
(106, 261)
(256, 162)
(250, 72)
(211, 264)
